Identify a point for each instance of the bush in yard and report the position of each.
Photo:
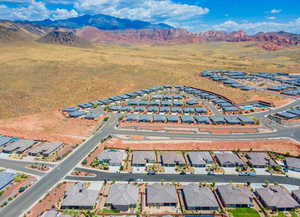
(21, 189)
(84, 162)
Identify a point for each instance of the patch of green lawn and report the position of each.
(105, 210)
(294, 214)
(72, 212)
(243, 212)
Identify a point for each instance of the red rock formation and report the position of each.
(270, 41)
(153, 36)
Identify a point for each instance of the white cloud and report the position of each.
(150, 10)
(35, 10)
(3, 7)
(44, 1)
(272, 18)
(59, 14)
(275, 11)
(292, 26)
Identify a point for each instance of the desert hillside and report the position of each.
(38, 77)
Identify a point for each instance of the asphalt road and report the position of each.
(284, 132)
(20, 166)
(101, 176)
(28, 198)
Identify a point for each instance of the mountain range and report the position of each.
(101, 21)
(83, 30)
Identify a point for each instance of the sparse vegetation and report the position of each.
(35, 70)
(275, 169)
(108, 211)
(21, 177)
(214, 168)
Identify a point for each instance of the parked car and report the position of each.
(211, 173)
(151, 173)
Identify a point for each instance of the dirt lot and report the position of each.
(44, 77)
(51, 199)
(273, 145)
(49, 126)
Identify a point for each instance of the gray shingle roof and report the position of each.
(293, 162)
(226, 158)
(232, 195)
(78, 196)
(159, 194)
(199, 197)
(143, 157)
(123, 194)
(6, 178)
(50, 213)
(199, 158)
(277, 197)
(296, 194)
(46, 148)
(4, 140)
(114, 157)
(172, 158)
(19, 145)
(259, 159)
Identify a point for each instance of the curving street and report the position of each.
(60, 171)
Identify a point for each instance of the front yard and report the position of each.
(243, 212)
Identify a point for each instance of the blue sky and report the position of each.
(195, 15)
